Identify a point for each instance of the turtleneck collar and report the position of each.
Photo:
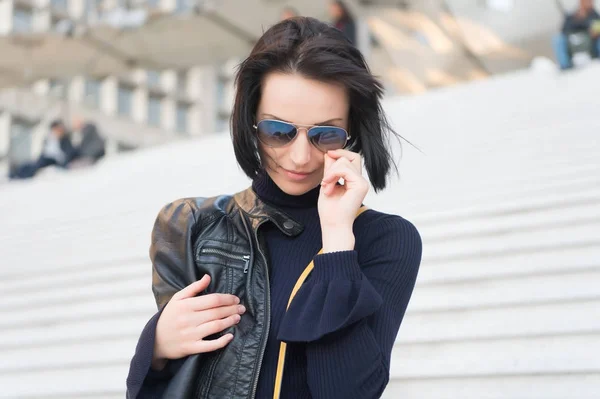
(269, 192)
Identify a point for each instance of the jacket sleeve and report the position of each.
(171, 253)
(349, 311)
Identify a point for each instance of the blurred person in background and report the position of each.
(307, 114)
(343, 20)
(57, 151)
(89, 144)
(580, 31)
(288, 12)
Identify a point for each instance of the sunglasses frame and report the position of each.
(298, 127)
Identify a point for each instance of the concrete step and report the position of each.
(551, 260)
(586, 197)
(68, 355)
(101, 381)
(474, 324)
(516, 386)
(81, 252)
(434, 327)
(518, 241)
(56, 279)
(422, 202)
(499, 226)
(92, 222)
(33, 316)
(77, 293)
(126, 326)
(558, 354)
(516, 291)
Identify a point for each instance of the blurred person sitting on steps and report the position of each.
(580, 30)
(56, 151)
(89, 144)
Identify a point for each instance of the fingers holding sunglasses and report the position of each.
(353, 157)
(343, 168)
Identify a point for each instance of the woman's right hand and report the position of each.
(188, 319)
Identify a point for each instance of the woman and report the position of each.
(342, 19)
(224, 267)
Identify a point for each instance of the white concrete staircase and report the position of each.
(506, 195)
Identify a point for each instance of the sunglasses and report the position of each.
(276, 134)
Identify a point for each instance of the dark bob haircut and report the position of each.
(315, 50)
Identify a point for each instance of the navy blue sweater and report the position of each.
(343, 322)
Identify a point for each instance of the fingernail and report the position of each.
(241, 309)
(237, 318)
(237, 300)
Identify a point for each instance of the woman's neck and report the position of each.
(269, 192)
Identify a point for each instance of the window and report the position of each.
(21, 132)
(153, 78)
(92, 7)
(181, 83)
(57, 88)
(182, 6)
(154, 110)
(92, 92)
(124, 100)
(59, 5)
(220, 94)
(182, 118)
(22, 20)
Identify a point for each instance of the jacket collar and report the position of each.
(258, 211)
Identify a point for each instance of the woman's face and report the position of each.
(298, 167)
(335, 11)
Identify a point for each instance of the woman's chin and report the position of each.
(296, 188)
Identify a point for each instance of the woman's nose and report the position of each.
(301, 148)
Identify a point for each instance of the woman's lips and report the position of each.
(297, 176)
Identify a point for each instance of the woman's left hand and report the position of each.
(338, 204)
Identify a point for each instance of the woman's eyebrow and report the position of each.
(271, 116)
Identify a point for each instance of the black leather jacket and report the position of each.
(219, 236)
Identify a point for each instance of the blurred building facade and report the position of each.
(414, 46)
(143, 103)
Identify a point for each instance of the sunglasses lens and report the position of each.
(275, 133)
(328, 138)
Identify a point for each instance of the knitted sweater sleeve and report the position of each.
(349, 310)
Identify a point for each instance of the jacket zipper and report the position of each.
(215, 251)
(246, 260)
(265, 336)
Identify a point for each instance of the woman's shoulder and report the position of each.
(190, 210)
(199, 204)
(380, 231)
(373, 219)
